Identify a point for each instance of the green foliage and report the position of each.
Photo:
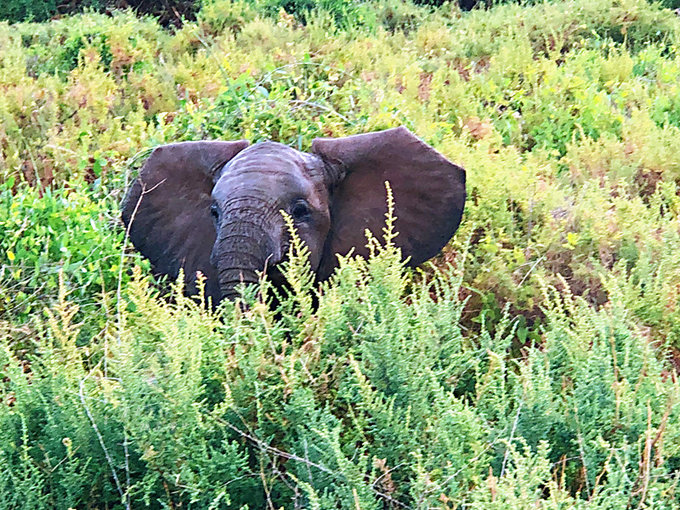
(22, 10)
(375, 398)
(16, 11)
(45, 234)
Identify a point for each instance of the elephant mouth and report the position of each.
(276, 277)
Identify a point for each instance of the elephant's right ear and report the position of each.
(167, 208)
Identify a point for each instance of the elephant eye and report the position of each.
(300, 211)
(215, 212)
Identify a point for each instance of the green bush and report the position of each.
(376, 398)
(45, 234)
(167, 11)
(16, 11)
(24, 10)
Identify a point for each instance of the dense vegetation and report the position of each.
(533, 365)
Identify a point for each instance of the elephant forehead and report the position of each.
(268, 167)
(269, 157)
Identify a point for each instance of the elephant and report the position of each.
(215, 206)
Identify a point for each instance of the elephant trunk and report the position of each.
(230, 278)
(242, 249)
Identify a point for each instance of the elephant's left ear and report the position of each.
(428, 192)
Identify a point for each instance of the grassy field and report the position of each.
(532, 365)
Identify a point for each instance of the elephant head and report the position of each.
(215, 207)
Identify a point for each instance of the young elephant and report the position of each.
(215, 207)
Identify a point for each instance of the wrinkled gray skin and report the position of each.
(250, 193)
(215, 207)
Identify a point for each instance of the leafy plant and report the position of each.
(51, 233)
(375, 398)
